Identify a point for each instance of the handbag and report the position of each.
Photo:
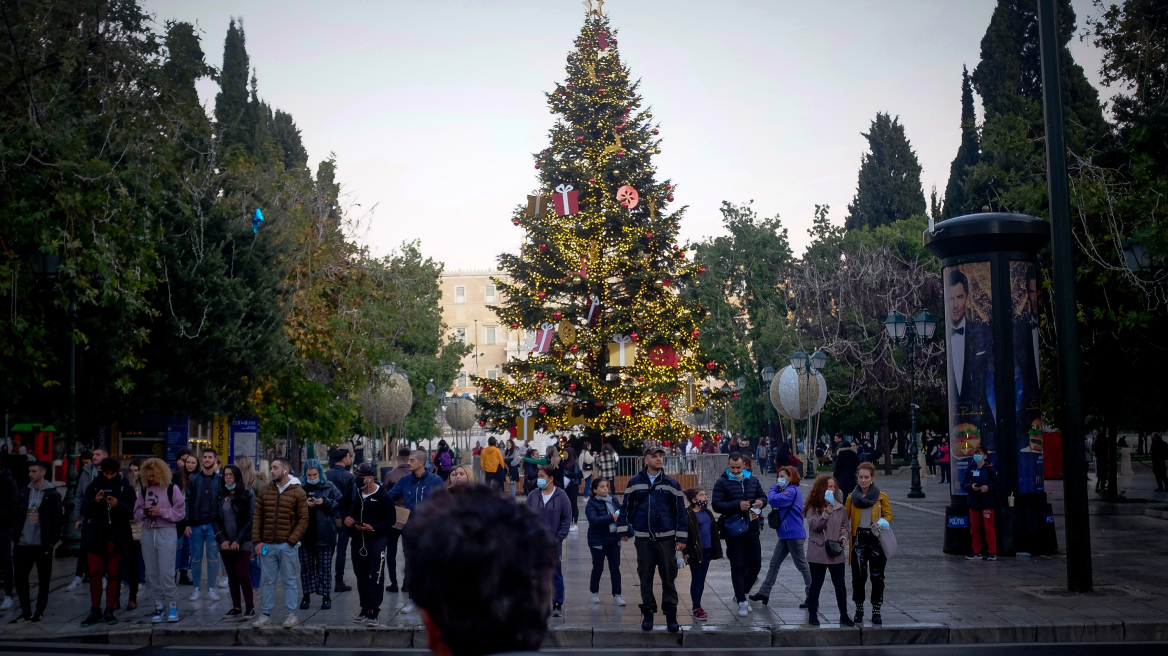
(886, 537)
(736, 525)
(835, 548)
(136, 529)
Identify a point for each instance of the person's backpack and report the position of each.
(445, 462)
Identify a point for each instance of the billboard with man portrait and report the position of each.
(970, 344)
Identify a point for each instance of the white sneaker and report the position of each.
(359, 617)
(261, 621)
(73, 586)
(6, 604)
(574, 528)
(290, 621)
(594, 598)
(617, 600)
(213, 595)
(743, 609)
(222, 582)
(194, 595)
(409, 607)
(749, 607)
(159, 615)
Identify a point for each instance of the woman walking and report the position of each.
(531, 465)
(605, 529)
(160, 507)
(739, 499)
(702, 547)
(980, 485)
(232, 525)
(827, 522)
(943, 459)
(551, 504)
(320, 540)
(867, 506)
(443, 460)
(606, 464)
(786, 500)
(572, 479)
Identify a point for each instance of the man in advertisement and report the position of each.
(971, 366)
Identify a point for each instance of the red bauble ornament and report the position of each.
(569, 57)
(702, 270)
(574, 348)
(556, 315)
(640, 379)
(670, 197)
(537, 166)
(655, 131)
(587, 43)
(539, 375)
(675, 247)
(665, 282)
(668, 187)
(572, 386)
(696, 332)
(543, 409)
(633, 336)
(711, 365)
(542, 295)
(591, 180)
(486, 388)
(543, 247)
(621, 154)
(482, 422)
(515, 221)
(600, 91)
(735, 395)
(603, 75)
(580, 138)
(569, 85)
(681, 255)
(600, 404)
(515, 324)
(648, 235)
(543, 154)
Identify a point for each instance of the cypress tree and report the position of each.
(257, 122)
(287, 135)
(889, 184)
(956, 202)
(231, 102)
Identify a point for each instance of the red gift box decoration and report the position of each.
(592, 311)
(543, 337)
(625, 408)
(603, 41)
(663, 355)
(566, 200)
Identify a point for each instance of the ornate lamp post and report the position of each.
(809, 366)
(909, 335)
(768, 374)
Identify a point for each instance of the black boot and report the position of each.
(109, 618)
(876, 619)
(646, 620)
(340, 586)
(392, 587)
(305, 602)
(760, 597)
(859, 617)
(813, 617)
(845, 620)
(93, 617)
(671, 620)
(184, 577)
(326, 603)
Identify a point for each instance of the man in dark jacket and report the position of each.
(371, 515)
(340, 476)
(413, 491)
(846, 464)
(108, 507)
(202, 495)
(739, 497)
(655, 507)
(40, 517)
(391, 478)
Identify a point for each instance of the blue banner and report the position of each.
(177, 433)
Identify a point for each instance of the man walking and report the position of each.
(202, 497)
(655, 507)
(280, 520)
(396, 474)
(340, 476)
(413, 491)
(491, 462)
(85, 478)
(370, 520)
(40, 516)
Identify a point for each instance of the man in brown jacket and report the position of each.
(280, 519)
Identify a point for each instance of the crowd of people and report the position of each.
(263, 531)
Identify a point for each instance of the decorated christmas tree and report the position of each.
(597, 277)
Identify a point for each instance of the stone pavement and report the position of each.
(931, 597)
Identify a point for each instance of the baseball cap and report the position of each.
(364, 469)
(653, 448)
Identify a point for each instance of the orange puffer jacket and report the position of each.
(280, 517)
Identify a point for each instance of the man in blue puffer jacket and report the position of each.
(655, 507)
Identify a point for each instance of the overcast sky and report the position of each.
(433, 108)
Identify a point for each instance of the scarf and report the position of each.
(861, 500)
(739, 478)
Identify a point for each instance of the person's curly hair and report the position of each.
(481, 567)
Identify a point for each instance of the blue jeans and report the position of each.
(282, 563)
(558, 580)
(697, 584)
(588, 486)
(204, 536)
(182, 553)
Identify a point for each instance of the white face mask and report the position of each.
(829, 497)
(782, 482)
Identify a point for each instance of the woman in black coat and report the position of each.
(231, 521)
(320, 540)
(606, 527)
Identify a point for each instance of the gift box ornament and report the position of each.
(592, 311)
(525, 424)
(625, 408)
(663, 355)
(537, 205)
(566, 200)
(567, 333)
(622, 352)
(543, 337)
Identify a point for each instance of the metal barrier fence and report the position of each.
(700, 470)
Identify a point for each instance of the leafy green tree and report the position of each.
(956, 203)
(889, 185)
(231, 103)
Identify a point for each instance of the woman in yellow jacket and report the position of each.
(866, 556)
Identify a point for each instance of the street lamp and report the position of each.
(910, 335)
(47, 266)
(768, 374)
(809, 365)
(1136, 256)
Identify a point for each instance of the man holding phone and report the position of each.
(371, 516)
(107, 507)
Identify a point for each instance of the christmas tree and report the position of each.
(597, 278)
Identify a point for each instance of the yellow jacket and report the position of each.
(491, 459)
(854, 515)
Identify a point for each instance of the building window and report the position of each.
(460, 334)
(490, 335)
(460, 294)
(493, 374)
(489, 293)
(461, 379)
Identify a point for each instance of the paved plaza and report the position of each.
(931, 597)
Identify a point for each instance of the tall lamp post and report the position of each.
(809, 365)
(768, 374)
(909, 335)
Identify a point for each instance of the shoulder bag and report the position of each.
(885, 535)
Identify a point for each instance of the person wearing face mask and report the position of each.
(232, 525)
(785, 499)
(371, 515)
(980, 483)
(606, 527)
(826, 521)
(702, 548)
(320, 539)
(551, 504)
(866, 506)
(739, 499)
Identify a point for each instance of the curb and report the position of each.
(695, 637)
